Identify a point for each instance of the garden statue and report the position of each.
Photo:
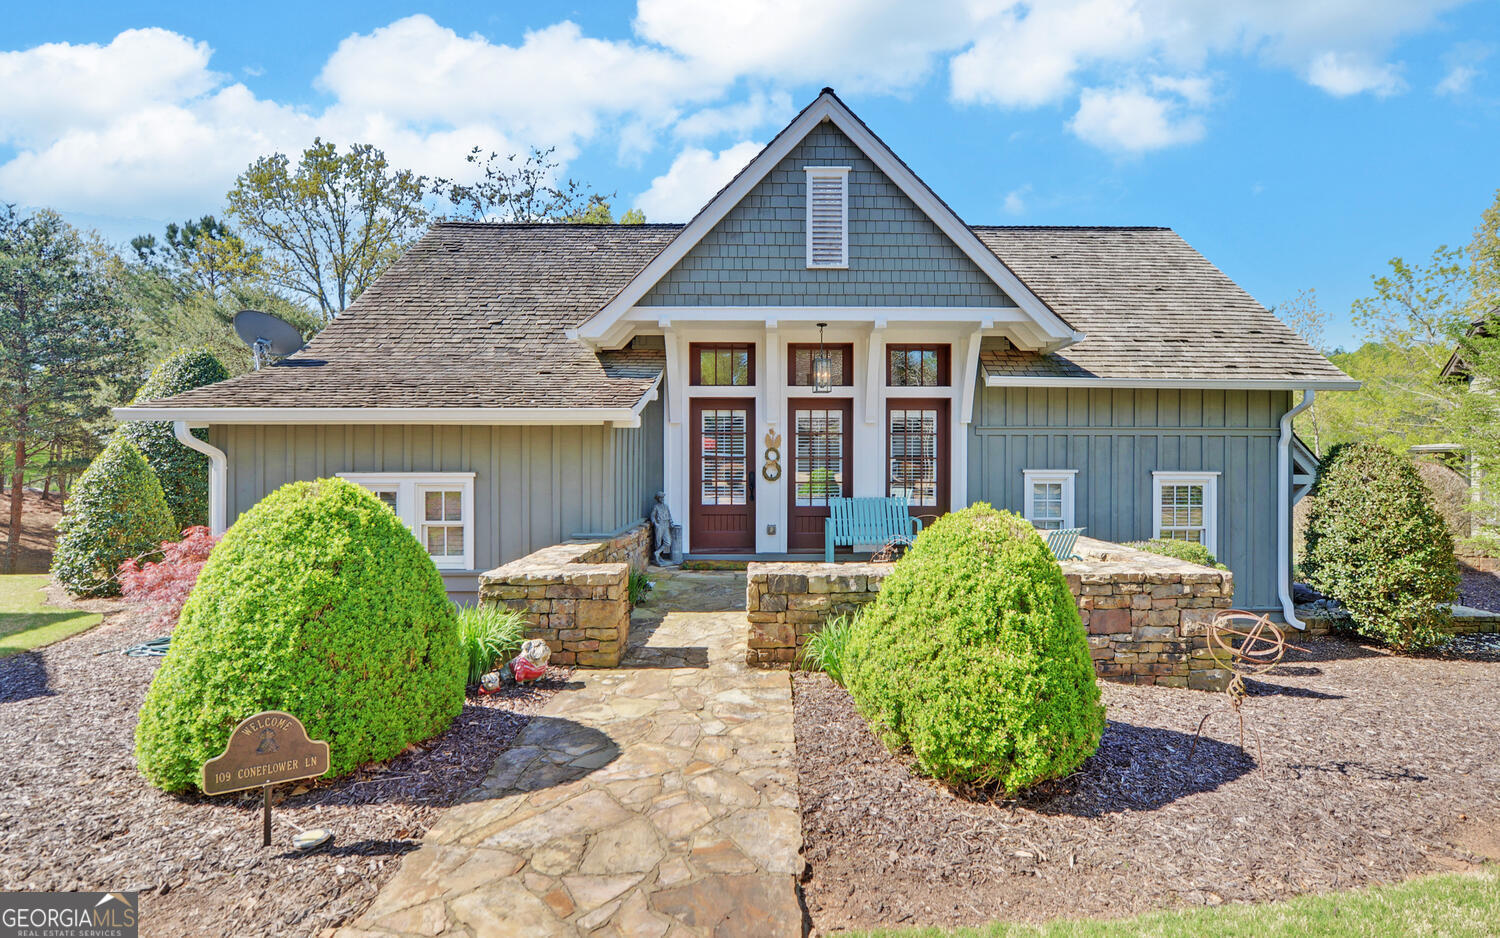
(524, 668)
(661, 531)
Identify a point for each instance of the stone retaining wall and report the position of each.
(575, 595)
(1465, 621)
(1147, 616)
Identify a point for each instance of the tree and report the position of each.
(524, 189)
(182, 472)
(1484, 262)
(330, 225)
(64, 339)
(200, 256)
(1302, 314)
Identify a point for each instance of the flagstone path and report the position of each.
(658, 799)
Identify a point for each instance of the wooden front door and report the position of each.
(822, 465)
(723, 475)
(917, 449)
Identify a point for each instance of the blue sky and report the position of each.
(1295, 147)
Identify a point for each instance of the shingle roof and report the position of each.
(1152, 309)
(472, 316)
(475, 315)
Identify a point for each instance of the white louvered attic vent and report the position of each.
(828, 216)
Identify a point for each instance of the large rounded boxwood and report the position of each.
(1376, 543)
(974, 656)
(319, 602)
(116, 511)
(183, 472)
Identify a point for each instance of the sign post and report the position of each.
(264, 750)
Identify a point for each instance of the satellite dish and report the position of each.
(266, 335)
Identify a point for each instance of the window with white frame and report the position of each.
(1049, 497)
(1186, 507)
(438, 507)
(828, 216)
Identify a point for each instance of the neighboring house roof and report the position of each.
(1155, 312)
(1456, 367)
(476, 316)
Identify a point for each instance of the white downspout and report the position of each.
(218, 476)
(1284, 512)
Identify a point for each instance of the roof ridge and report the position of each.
(468, 223)
(1072, 227)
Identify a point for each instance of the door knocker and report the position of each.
(771, 470)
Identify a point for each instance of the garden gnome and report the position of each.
(529, 665)
(661, 531)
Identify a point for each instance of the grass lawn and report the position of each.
(27, 622)
(1447, 904)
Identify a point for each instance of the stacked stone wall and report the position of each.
(574, 595)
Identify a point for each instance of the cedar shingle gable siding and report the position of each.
(756, 256)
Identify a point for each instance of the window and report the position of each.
(1049, 498)
(828, 217)
(722, 365)
(1186, 507)
(916, 438)
(726, 475)
(800, 362)
(916, 366)
(818, 469)
(438, 507)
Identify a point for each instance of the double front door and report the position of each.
(818, 462)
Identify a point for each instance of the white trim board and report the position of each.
(607, 329)
(1242, 384)
(491, 416)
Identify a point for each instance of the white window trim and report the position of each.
(812, 171)
(1210, 483)
(1032, 477)
(408, 486)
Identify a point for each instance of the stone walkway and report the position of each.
(658, 799)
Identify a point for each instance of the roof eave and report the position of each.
(487, 416)
(1244, 384)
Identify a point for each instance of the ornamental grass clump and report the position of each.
(319, 602)
(1376, 543)
(486, 635)
(827, 649)
(115, 512)
(974, 657)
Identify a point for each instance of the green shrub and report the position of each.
(1178, 550)
(1377, 545)
(183, 472)
(974, 656)
(638, 586)
(827, 649)
(319, 602)
(115, 512)
(486, 634)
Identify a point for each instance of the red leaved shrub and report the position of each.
(163, 586)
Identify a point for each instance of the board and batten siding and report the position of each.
(533, 486)
(757, 255)
(1115, 439)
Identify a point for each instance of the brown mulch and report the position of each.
(75, 814)
(1375, 768)
(1478, 589)
(39, 518)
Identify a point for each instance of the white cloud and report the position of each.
(737, 119)
(1463, 62)
(695, 175)
(1015, 200)
(1130, 120)
(1459, 80)
(1343, 74)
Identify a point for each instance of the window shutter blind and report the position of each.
(827, 216)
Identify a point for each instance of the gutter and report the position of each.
(490, 416)
(218, 476)
(1284, 511)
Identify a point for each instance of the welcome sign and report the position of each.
(266, 749)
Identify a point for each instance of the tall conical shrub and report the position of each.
(183, 472)
(115, 511)
(319, 602)
(974, 656)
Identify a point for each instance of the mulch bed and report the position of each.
(1478, 589)
(1374, 768)
(75, 814)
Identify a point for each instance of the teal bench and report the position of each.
(854, 521)
(1062, 541)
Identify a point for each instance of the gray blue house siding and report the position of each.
(1115, 439)
(756, 256)
(533, 486)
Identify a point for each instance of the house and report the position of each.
(504, 387)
